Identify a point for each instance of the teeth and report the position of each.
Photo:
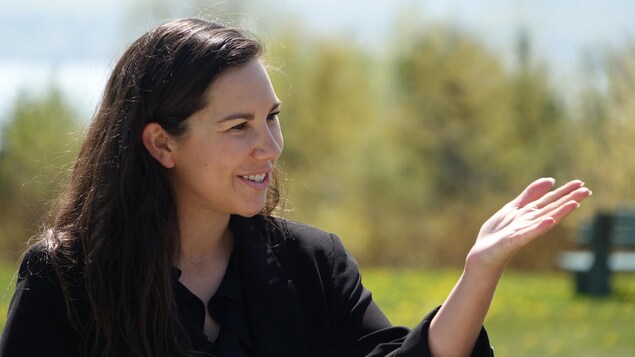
(255, 178)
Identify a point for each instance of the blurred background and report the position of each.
(407, 124)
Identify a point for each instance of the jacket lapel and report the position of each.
(271, 301)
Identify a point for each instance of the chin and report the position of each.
(251, 212)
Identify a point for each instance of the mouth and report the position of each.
(255, 178)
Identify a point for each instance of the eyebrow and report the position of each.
(247, 116)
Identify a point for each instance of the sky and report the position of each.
(74, 43)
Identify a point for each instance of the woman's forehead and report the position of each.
(245, 84)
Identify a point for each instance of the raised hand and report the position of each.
(453, 331)
(535, 211)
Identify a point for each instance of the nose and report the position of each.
(269, 144)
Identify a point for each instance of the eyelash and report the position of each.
(240, 126)
(273, 115)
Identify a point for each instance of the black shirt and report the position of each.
(226, 308)
(289, 290)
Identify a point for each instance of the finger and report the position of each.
(558, 193)
(574, 198)
(564, 210)
(534, 191)
(546, 222)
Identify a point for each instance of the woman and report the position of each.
(164, 244)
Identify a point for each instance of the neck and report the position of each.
(204, 240)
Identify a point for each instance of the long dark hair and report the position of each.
(116, 226)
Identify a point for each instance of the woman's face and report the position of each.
(223, 162)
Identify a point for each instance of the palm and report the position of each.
(535, 211)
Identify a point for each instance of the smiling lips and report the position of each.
(255, 178)
(258, 182)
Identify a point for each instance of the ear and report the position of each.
(158, 143)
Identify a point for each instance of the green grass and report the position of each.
(533, 314)
(7, 285)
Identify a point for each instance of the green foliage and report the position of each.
(328, 118)
(455, 116)
(606, 132)
(403, 153)
(37, 149)
(453, 94)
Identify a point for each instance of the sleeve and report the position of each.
(365, 330)
(36, 321)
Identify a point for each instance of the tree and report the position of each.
(329, 113)
(607, 131)
(38, 144)
(454, 122)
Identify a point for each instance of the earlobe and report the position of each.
(157, 142)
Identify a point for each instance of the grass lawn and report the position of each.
(533, 314)
(6, 290)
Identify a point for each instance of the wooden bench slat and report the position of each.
(575, 261)
(622, 261)
(582, 261)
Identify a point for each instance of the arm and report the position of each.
(363, 329)
(453, 331)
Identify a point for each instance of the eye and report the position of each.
(239, 127)
(273, 115)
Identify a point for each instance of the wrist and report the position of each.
(478, 269)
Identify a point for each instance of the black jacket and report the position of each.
(303, 296)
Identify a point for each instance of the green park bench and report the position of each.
(607, 245)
